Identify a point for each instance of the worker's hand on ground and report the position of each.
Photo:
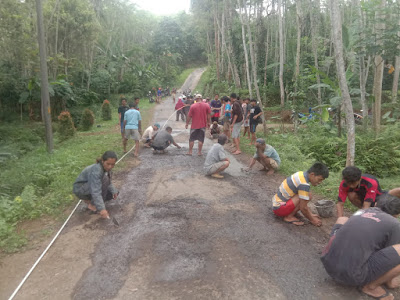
(179, 147)
(316, 222)
(115, 196)
(104, 214)
(91, 207)
(248, 169)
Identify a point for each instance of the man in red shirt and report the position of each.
(200, 114)
(363, 190)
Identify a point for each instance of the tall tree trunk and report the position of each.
(378, 66)
(246, 56)
(314, 34)
(266, 56)
(281, 53)
(341, 73)
(216, 47)
(254, 66)
(44, 87)
(395, 85)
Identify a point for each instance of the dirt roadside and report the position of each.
(182, 236)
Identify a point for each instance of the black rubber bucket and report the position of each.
(325, 208)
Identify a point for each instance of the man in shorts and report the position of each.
(237, 121)
(162, 140)
(227, 112)
(199, 113)
(246, 116)
(363, 190)
(294, 194)
(216, 160)
(215, 109)
(148, 134)
(267, 156)
(132, 127)
(255, 119)
(364, 250)
(121, 113)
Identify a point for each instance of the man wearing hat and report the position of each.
(200, 115)
(149, 133)
(267, 156)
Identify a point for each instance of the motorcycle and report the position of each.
(151, 100)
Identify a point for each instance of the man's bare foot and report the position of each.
(293, 221)
(147, 145)
(200, 154)
(237, 152)
(378, 293)
(264, 169)
(189, 154)
(216, 175)
(270, 172)
(394, 283)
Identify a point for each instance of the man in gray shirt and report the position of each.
(163, 139)
(216, 160)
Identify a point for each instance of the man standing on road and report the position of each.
(132, 127)
(199, 113)
(267, 156)
(215, 109)
(363, 190)
(216, 160)
(227, 112)
(121, 113)
(246, 111)
(294, 194)
(149, 134)
(364, 251)
(255, 119)
(237, 121)
(163, 139)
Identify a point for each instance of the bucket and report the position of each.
(325, 208)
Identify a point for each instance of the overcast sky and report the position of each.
(163, 7)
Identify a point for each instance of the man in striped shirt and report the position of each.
(294, 194)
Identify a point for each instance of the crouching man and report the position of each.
(267, 156)
(364, 251)
(162, 140)
(216, 160)
(294, 194)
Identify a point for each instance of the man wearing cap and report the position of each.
(200, 114)
(267, 156)
(149, 133)
(237, 121)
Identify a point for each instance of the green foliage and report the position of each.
(66, 128)
(87, 120)
(106, 110)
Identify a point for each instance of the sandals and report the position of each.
(387, 293)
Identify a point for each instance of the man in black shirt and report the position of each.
(121, 113)
(255, 119)
(364, 251)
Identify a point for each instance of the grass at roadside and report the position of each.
(182, 77)
(201, 85)
(38, 183)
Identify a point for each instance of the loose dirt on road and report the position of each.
(183, 235)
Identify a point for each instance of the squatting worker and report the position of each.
(199, 113)
(163, 139)
(94, 185)
(149, 134)
(216, 160)
(363, 190)
(364, 251)
(294, 195)
(267, 156)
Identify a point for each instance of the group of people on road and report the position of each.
(363, 250)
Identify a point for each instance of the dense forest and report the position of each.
(94, 48)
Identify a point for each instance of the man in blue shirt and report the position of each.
(267, 156)
(132, 127)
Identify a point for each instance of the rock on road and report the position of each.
(183, 235)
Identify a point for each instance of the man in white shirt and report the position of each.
(149, 133)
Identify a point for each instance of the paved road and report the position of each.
(187, 236)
